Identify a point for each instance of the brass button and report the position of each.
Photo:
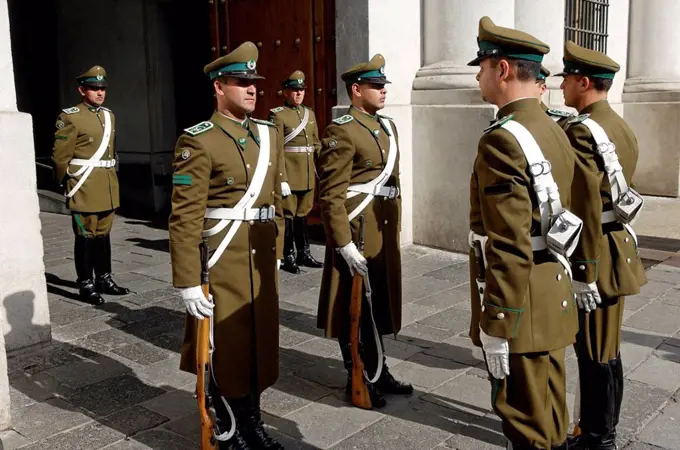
(270, 163)
(254, 251)
(582, 267)
(628, 260)
(247, 166)
(500, 316)
(564, 304)
(627, 239)
(273, 192)
(559, 277)
(383, 151)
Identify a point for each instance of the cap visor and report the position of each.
(245, 76)
(374, 81)
(561, 74)
(97, 84)
(475, 62)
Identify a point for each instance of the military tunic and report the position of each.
(213, 167)
(299, 165)
(528, 298)
(355, 151)
(560, 117)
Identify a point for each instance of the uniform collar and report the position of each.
(520, 104)
(236, 129)
(600, 105)
(291, 106)
(90, 107)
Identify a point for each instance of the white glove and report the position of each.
(355, 260)
(285, 189)
(587, 296)
(278, 264)
(497, 353)
(196, 303)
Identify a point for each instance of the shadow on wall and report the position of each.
(20, 331)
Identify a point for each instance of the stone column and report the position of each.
(449, 117)
(651, 94)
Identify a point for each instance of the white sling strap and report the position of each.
(607, 151)
(376, 186)
(298, 130)
(87, 166)
(245, 203)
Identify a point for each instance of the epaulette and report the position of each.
(343, 120)
(578, 119)
(263, 122)
(559, 113)
(498, 123)
(277, 110)
(199, 128)
(73, 110)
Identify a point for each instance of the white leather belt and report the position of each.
(106, 163)
(263, 214)
(390, 192)
(308, 149)
(608, 217)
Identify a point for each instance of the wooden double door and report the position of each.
(290, 35)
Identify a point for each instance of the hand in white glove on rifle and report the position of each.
(355, 260)
(196, 303)
(587, 296)
(497, 352)
(285, 189)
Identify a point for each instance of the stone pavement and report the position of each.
(110, 378)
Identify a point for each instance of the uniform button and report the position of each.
(500, 316)
(559, 277)
(270, 163)
(247, 166)
(582, 267)
(628, 260)
(252, 222)
(564, 304)
(273, 192)
(483, 308)
(254, 251)
(383, 151)
(627, 239)
(386, 222)
(273, 249)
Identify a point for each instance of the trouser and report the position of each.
(91, 225)
(92, 249)
(598, 349)
(298, 204)
(532, 401)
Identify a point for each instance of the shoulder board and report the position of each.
(498, 123)
(578, 119)
(263, 122)
(199, 128)
(277, 110)
(343, 120)
(559, 113)
(73, 110)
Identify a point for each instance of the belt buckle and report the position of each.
(393, 192)
(265, 213)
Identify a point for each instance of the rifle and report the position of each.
(203, 370)
(360, 396)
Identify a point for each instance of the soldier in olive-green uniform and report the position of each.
(359, 183)
(297, 124)
(606, 263)
(85, 163)
(523, 312)
(227, 190)
(557, 115)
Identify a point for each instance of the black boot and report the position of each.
(237, 442)
(387, 383)
(102, 268)
(304, 256)
(83, 256)
(252, 428)
(289, 264)
(377, 399)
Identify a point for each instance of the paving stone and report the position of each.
(153, 296)
(289, 338)
(671, 297)
(451, 319)
(26, 389)
(427, 371)
(292, 360)
(459, 349)
(424, 336)
(410, 313)
(87, 371)
(668, 353)
(326, 372)
(133, 420)
(143, 353)
(466, 393)
(411, 252)
(42, 420)
(87, 327)
(160, 439)
(74, 315)
(113, 338)
(664, 273)
(397, 351)
(455, 274)
(656, 317)
(308, 299)
(664, 431)
(654, 289)
(640, 403)
(423, 286)
(446, 299)
(290, 394)
(642, 446)
(636, 346)
(59, 305)
(483, 434)
(166, 374)
(299, 284)
(326, 422)
(422, 265)
(173, 404)
(11, 440)
(88, 437)
(189, 427)
(658, 372)
(636, 302)
(287, 441)
(112, 395)
(325, 348)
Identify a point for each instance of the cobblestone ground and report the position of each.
(110, 378)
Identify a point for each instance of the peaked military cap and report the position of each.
(95, 76)
(583, 61)
(493, 40)
(543, 74)
(372, 71)
(240, 63)
(296, 80)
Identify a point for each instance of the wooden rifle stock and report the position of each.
(360, 396)
(203, 362)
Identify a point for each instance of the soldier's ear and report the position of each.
(81, 90)
(217, 85)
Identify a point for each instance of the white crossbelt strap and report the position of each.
(547, 192)
(607, 151)
(375, 186)
(376, 335)
(298, 130)
(106, 163)
(246, 202)
(305, 149)
(90, 165)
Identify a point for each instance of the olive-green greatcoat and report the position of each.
(356, 152)
(611, 258)
(213, 169)
(528, 298)
(79, 133)
(299, 170)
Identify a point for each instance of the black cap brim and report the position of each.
(380, 80)
(244, 76)
(296, 87)
(95, 84)
(476, 61)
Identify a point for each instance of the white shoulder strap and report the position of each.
(248, 199)
(607, 151)
(85, 171)
(379, 181)
(299, 128)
